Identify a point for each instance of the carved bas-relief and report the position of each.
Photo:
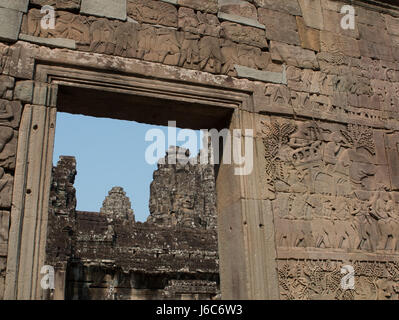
(331, 195)
(322, 279)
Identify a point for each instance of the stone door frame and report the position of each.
(246, 252)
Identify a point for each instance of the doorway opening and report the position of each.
(111, 253)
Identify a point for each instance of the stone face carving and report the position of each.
(275, 30)
(183, 195)
(293, 55)
(210, 6)
(62, 192)
(117, 206)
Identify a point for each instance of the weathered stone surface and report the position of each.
(312, 13)
(6, 86)
(3, 267)
(266, 76)
(6, 184)
(210, 6)
(59, 4)
(243, 9)
(293, 55)
(374, 34)
(286, 6)
(151, 11)
(337, 44)
(117, 206)
(19, 5)
(245, 56)
(331, 5)
(68, 26)
(110, 8)
(243, 34)
(4, 228)
(369, 17)
(310, 38)
(24, 91)
(53, 43)
(240, 19)
(330, 183)
(275, 30)
(10, 20)
(376, 51)
(332, 23)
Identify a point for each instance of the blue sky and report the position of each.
(108, 153)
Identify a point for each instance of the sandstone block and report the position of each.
(293, 55)
(243, 9)
(286, 6)
(374, 34)
(115, 9)
(372, 50)
(332, 23)
(24, 91)
(312, 13)
(6, 85)
(331, 5)
(59, 4)
(210, 6)
(279, 26)
(51, 42)
(334, 43)
(4, 229)
(10, 21)
(369, 17)
(10, 114)
(245, 34)
(310, 38)
(19, 5)
(241, 20)
(6, 184)
(154, 12)
(392, 25)
(266, 76)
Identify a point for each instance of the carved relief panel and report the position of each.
(333, 191)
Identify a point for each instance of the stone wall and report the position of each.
(107, 255)
(326, 97)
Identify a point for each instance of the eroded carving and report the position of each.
(321, 279)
